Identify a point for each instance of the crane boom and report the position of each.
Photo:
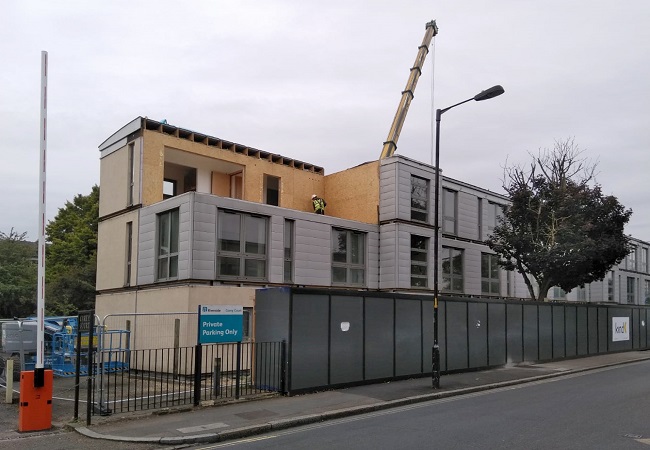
(407, 95)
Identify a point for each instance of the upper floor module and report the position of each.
(179, 207)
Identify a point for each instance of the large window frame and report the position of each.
(129, 254)
(610, 286)
(419, 261)
(490, 282)
(289, 227)
(449, 211)
(242, 246)
(647, 292)
(494, 211)
(452, 270)
(167, 245)
(630, 262)
(271, 190)
(631, 290)
(644, 260)
(419, 199)
(348, 257)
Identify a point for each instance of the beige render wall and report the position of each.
(157, 331)
(354, 193)
(296, 186)
(111, 251)
(113, 173)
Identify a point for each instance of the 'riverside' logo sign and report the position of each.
(620, 329)
(220, 323)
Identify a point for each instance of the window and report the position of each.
(631, 259)
(419, 261)
(348, 257)
(452, 269)
(167, 245)
(489, 274)
(419, 198)
(288, 251)
(559, 293)
(644, 260)
(241, 246)
(494, 211)
(129, 250)
(237, 185)
(131, 174)
(479, 208)
(247, 324)
(647, 292)
(610, 286)
(449, 210)
(169, 188)
(582, 294)
(630, 290)
(271, 190)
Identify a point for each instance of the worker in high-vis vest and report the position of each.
(319, 204)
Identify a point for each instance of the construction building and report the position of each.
(186, 218)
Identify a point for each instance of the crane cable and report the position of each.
(433, 113)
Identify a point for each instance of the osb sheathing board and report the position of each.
(296, 185)
(354, 193)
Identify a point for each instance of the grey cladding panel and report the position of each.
(558, 331)
(515, 333)
(309, 341)
(545, 332)
(467, 216)
(408, 337)
(531, 348)
(388, 190)
(592, 337)
(457, 348)
(604, 331)
(583, 330)
(497, 333)
(313, 253)
(272, 314)
(346, 340)
(379, 338)
(427, 332)
(477, 331)
(570, 331)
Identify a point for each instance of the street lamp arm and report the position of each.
(439, 112)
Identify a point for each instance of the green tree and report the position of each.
(560, 230)
(18, 273)
(71, 256)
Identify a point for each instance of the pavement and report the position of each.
(248, 417)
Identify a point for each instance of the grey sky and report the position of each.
(320, 82)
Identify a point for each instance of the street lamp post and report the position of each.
(435, 354)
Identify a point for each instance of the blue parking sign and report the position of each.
(220, 323)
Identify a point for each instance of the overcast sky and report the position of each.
(320, 82)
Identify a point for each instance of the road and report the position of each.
(606, 408)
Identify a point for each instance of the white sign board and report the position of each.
(620, 329)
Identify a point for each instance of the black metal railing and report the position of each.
(132, 380)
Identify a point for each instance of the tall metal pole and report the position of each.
(40, 305)
(435, 354)
(492, 92)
